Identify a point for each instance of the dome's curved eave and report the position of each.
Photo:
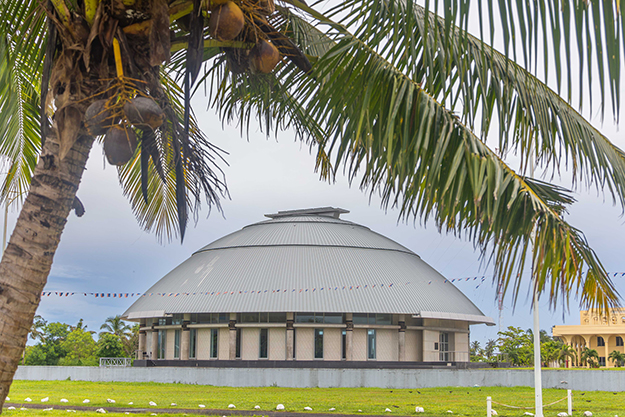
(295, 245)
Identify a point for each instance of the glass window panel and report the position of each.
(224, 317)
(371, 318)
(360, 318)
(162, 343)
(263, 317)
(214, 342)
(318, 343)
(333, 318)
(294, 340)
(237, 351)
(249, 317)
(204, 318)
(262, 354)
(192, 343)
(193, 319)
(177, 344)
(277, 317)
(318, 317)
(344, 344)
(304, 318)
(371, 353)
(384, 319)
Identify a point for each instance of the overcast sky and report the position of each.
(106, 251)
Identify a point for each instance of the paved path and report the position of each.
(200, 411)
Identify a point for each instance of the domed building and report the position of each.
(304, 288)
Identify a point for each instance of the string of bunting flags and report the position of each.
(481, 279)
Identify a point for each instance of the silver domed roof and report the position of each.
(306, 261)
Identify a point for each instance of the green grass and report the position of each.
(469, 402)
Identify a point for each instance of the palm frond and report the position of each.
(22, 26)
(201, 175)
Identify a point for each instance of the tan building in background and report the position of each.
(604, 333)
(306, 287)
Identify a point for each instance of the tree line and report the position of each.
(74, 345)
(516, 346)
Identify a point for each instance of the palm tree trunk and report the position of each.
(28, 257)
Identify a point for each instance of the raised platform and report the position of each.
(298, 364)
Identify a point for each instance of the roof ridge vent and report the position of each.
(333, 212)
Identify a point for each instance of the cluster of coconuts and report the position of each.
(227, 22)
(120, 140)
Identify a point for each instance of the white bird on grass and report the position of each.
(173, 404)
(64, 400)
(86, 401)
(563, 414)
(257, 407)
(8, 399)
(419, 410)
(527, 413)
(45, 400)
(130, 403)
(108, 400)
(450, 412)
(360, 411)
(388, 410)
(587, 413)
(331, 409)
(232, 406)
(307, 408)
(71, 411)
(23, 409)
(280, 407)
(48, 409)
(493, 413)
(153, 414)
(201, 406)
(101, 411)
(10, 408)
(152, 403)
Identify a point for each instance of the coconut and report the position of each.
(98, 119)
(120, 143)
(143, 111)
(265, 57)
(226, 22)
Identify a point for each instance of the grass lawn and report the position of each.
(436, 401)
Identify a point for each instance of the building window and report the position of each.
(294, 345)
(264, 341)
(162, 343)
(601, 360)
(318, 343)
(261, 317)
(237, 350)
(371, 344)
(619, 341)
(600, 341)
(192, 343)
(344, 344)
(443, 347)
(210, 318)
(214, 342)
(371, 318)
(177, 344)
(328, 318)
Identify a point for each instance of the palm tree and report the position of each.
(565, 353)
(617, 357)
(115, 325)
(400, 98)
(589, 357)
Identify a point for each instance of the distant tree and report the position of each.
(109, 346)
(516, 345)
(131, 343)
(50, 349)
(117, 326)
(476, 352)
(566, 352)
(550, 350)
(36, 329)
(80, 348)
(617, 357)
(80, 326)
(489, 349)
(589, 357)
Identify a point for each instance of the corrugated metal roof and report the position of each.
(305, 263)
